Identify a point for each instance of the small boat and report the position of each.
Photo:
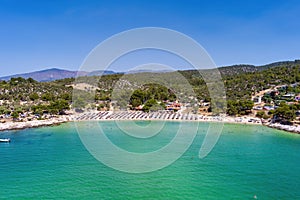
(5, 140)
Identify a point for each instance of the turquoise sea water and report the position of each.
(51, 162)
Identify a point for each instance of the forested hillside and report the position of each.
(241, 83)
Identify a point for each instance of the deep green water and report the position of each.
(51, 162)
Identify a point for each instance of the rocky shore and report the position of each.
(33, 124)
(289, 128)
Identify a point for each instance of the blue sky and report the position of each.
(40, 34)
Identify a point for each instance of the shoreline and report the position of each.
(7, 126)
(140, 116)
(287, 128)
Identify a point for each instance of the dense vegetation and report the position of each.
(21, 95)
(241, 83)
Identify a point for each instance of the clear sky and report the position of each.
(40, 34)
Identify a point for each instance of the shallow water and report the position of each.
(52, 162)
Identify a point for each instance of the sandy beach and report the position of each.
(139, 115)
(169, 116)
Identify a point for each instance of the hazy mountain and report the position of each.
(55, 74)
(100, 72)
(148, 70)
(238, 69)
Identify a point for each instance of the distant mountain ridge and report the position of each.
(55, 74)
(244, 68)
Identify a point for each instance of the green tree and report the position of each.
(232, 108)
(79, 103)
(15, 115)
(285, 112)
(2, 110)
(136, 102)
(262, 114)
(47, 97)
(150, 103)
(59, 105)
(137, 98)
(31, 80)
(33, 96)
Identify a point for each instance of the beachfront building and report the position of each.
(139, 108)
(174, 106)
(297, 98)
(288, 96)
(257, 100)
